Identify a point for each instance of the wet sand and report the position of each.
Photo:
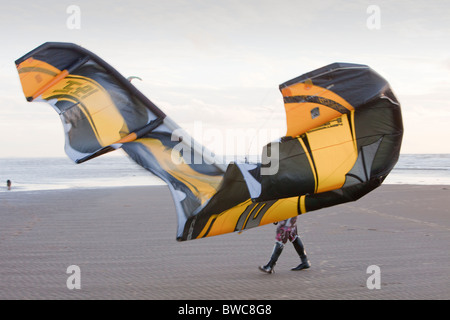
(123, 240)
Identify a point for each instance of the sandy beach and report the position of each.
(123, 240)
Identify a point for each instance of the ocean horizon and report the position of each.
(52, 173)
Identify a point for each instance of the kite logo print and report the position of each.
(77, 89)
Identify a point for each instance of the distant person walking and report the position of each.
(8, 184)
(287, 230)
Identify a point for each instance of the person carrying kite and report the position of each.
(287, 230)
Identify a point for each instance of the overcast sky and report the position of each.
(220, 62)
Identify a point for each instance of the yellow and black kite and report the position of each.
(344, 132)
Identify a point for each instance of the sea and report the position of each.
(35, 174)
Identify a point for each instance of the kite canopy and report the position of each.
(344, 132)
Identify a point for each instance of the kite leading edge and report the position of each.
(344, 133)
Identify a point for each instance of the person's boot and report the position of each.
(298, 245)
(268, 268)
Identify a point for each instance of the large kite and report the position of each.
(344, 132)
